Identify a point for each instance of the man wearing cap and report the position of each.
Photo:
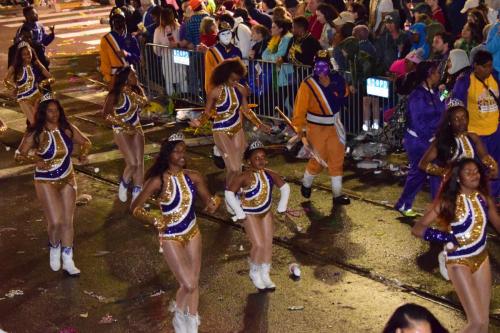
(392, 43)
(343, 18)
(479, 90)
(193, 25)
(224, 49)
(117, 48)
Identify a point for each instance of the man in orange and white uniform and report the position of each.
(319, 100)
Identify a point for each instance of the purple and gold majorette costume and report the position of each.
(256, 198)
(125, 115)
(469, 229)
(178, 221)
(228, 118)
(27, 85)
(55, 150)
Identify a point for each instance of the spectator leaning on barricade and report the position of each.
(392, 44)
(224, 49)
(260, 38)
(208, 31)
(479, 90)
(117, 48)
(258, 15)
(325, 15)
(303, 47)
(193, 25)
(39, 37)
(242, 34)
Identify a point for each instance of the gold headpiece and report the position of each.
(224, 26)
(323, 54)
(176, 137)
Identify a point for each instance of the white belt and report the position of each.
(320, 120)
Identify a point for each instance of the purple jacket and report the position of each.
(424, 112)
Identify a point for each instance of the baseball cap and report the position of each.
(414, 56)
(343, 18)
(469, 4)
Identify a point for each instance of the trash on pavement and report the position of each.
(296, 308)
(14, 292)
(107, 319)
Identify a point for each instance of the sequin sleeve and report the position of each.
(146, 216)
(30, 157)
(435, 170)
(490, 163)
(85, 148)
(253, 118)
(117, 122)
(9, 84)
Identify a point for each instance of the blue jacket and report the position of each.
(421, 30)
(493, 45)
(38, 34)
(424, 112)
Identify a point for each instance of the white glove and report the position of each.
(235, 205)
(284, 196)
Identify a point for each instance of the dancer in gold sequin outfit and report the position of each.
(255, 211)
(26, 76)
(121, 108)
(49, 144)
(465, 207)
(177, 226)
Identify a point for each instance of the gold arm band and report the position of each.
(489, 162)
(253, 117)
(117, 122)
(435, 170)
(85, 148)
(9, 84)
(204, 118)
(31, 157)
(142, 214)
(46, 82)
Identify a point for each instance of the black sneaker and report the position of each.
(305, 191)
(342, 200)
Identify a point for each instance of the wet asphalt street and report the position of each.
(358, 262)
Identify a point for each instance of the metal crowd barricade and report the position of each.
(180, 74)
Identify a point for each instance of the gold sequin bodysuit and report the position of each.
(27, 87)
(228, 118)
(257, 197)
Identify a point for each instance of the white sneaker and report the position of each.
(256, 277)
(192, 323)
(442, 265)
(264, 273)
(123, 191)
(375, 126)
(68, 265)
(55, 257)
(179, 319)
(365, 127)
(136, 190)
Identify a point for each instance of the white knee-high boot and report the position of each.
(179, 318)
(68, 265)
(265, 269)
(255, 275)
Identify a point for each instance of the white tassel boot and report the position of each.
(179, 319)
(123, 190)
(68, 264)
(265, 269)
(136, 190)
(55, 256)
(192, 323)
(256, 277)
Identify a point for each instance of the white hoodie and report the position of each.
(242, 34)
